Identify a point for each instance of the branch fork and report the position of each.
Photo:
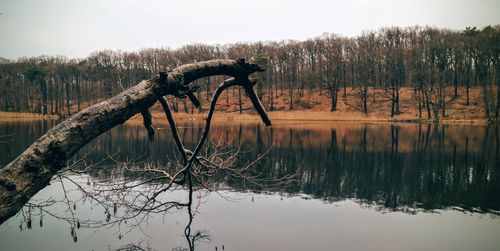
(32, 170)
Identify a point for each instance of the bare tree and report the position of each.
(334, 68)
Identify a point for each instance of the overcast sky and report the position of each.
(76, 28)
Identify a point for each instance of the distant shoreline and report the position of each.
(25, 116)
(314, 106)
(298, 116)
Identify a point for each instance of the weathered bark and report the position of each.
(33, 169)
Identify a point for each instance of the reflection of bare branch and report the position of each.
(134, 247)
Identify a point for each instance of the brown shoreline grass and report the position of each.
(18, 116)
(276, 116)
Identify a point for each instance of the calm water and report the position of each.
(362, 187)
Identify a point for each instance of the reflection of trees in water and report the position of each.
(428, 177)
(15, 136)
(395, 166)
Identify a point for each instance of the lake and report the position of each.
(355, 186)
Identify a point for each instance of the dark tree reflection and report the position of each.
(394, 166)
(425, 176)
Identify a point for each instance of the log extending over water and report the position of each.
(33, 169)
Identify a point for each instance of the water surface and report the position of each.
(362, 187)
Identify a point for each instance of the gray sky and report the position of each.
(76, 28)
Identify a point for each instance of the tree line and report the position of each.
(431, 62)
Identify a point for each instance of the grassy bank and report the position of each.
(14, 116)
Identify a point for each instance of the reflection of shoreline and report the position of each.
(394, 165)
(377, 136)
(302, 116)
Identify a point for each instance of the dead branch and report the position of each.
(33, 169)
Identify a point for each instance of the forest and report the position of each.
(436, 65)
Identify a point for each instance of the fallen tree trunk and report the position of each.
(33, 169)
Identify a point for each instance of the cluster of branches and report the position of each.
(427, 59)
(35, 167)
